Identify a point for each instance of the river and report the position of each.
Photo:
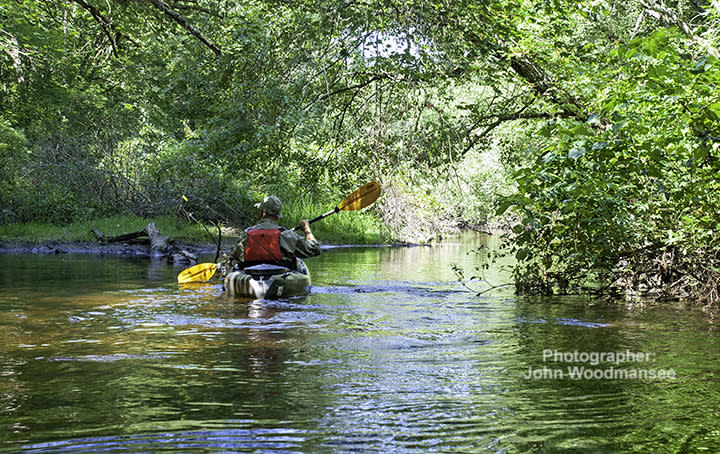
(388, 354)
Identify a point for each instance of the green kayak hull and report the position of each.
(269, 286)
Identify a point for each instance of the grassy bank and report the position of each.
(344, 227)
(340, 228)
(81, 231)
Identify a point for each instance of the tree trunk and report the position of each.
(159, 245)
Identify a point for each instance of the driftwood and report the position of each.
(159, 245)
(125, 238)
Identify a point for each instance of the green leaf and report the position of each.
(522, 254)
(655, 155)
(699, 66)
(503, 206)
(581, 129)
(619, 125)
(700, 153)
(576, 152)
(713, 111)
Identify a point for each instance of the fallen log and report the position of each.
(126, 237)
(159, 245)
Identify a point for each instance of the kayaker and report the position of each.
(268, 242)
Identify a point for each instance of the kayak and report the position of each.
(268, 281)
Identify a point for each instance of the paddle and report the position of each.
(359, 199)
(202, 272)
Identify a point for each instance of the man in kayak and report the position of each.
(268, 242)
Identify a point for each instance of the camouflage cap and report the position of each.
(270, 205)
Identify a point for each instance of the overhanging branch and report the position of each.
(106, 25)
(497, 121)
(356, 87)
(175, 16)
(661, 12)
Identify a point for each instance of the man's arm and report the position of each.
(305, 227)
(237, 254)
(308, 246)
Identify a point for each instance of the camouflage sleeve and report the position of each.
(300, 245)
(237, 254)
(306, 248)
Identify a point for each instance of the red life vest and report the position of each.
(263, 245)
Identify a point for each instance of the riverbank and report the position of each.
(83, 247)
(143, 249)
(82, 237)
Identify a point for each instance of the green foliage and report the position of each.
(39, 232)
(14, 154)
(606, 116)
(126, 112)
(344, 227)
(632, 183)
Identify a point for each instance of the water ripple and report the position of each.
(271, 439)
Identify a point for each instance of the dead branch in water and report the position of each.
(159, 245)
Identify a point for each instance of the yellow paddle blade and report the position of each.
(201, 272)
(362, 197)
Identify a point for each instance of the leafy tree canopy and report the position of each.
(602, 114)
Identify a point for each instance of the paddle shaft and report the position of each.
(360, 198)
(323, 216)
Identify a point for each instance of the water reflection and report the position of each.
(244, 438)
(387, 354)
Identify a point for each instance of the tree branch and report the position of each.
(172, 14)
(107, 26)
(500, 119)
(543, 85)
(661, 12)
(358, 86)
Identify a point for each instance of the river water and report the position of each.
(387, 354)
